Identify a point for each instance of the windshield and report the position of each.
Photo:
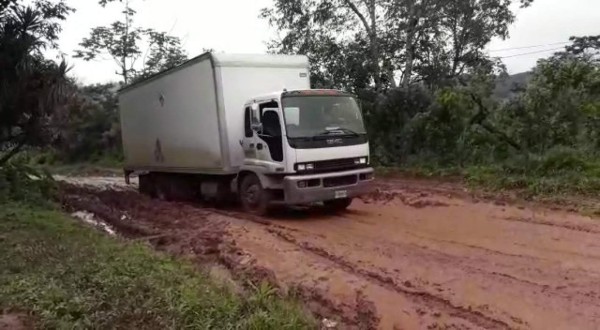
(309, 116)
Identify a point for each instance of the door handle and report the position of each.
(259, 146)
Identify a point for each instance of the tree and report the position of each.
(4, 4)
(93, 129)
(586, 46)
(312, 27)
(164, 52)
(561, 104)
(32, 88)
(122, 41)
(424, 40)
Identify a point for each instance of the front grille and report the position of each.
(335, 164)
(339, 181)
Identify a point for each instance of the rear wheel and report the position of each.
(255, 199)
(169, 186)
(147, 185)
(338, 205)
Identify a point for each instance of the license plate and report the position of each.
(341, 194)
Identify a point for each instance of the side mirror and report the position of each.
(256, 125)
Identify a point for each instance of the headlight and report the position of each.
(305, 167)
(360, 161)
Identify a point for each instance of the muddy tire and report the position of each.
(254, 198)
(338, 205)
(147, 185)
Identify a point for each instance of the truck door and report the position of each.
(263, 134)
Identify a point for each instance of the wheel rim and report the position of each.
(252, 195)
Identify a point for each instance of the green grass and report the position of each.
(534, 184)
(70, 276)
(51, 161)
(559, 172)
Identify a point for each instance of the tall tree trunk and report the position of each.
(375, 47)
(413, 20)
(125, 44)
(371, 29)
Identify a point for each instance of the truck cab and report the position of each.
(302, 147)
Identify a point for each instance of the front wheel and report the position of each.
(338, 205)
(255, 199)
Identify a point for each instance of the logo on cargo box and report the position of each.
(158, 155)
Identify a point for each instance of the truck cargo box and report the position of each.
(190, 119)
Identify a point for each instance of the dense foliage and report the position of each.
(92, 132)
(41, 107)
(427, 87)
(32, 88)
(464, 124)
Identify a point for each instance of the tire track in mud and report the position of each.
(437, 262)
(573, 227)
(208, 242)
(366, 319)
(429, 300)
(421, 297)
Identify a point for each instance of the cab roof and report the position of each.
(298, 92)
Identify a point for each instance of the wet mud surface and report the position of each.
(410, 256)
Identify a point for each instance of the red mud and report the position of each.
(14, 321)
(409, 256)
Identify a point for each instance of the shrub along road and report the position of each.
(413, 255)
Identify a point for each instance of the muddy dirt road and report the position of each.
(411, 256)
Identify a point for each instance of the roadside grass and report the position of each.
(66, 276)
(50, 161)
(560, 174)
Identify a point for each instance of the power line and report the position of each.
(528, 47)
(530, 53)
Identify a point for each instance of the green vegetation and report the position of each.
(26, 184)
(436, 104)
(66, 275)
(560, 172)
(69, 276)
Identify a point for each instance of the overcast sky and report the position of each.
(233, 26)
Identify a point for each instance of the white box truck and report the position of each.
(224, 124)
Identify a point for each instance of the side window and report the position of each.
(271, 104)
(271, 123)
(270, 119)
(247, 125)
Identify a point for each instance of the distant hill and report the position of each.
(505, 88)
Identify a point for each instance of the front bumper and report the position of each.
(330, 186)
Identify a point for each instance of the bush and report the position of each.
(26, 184)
